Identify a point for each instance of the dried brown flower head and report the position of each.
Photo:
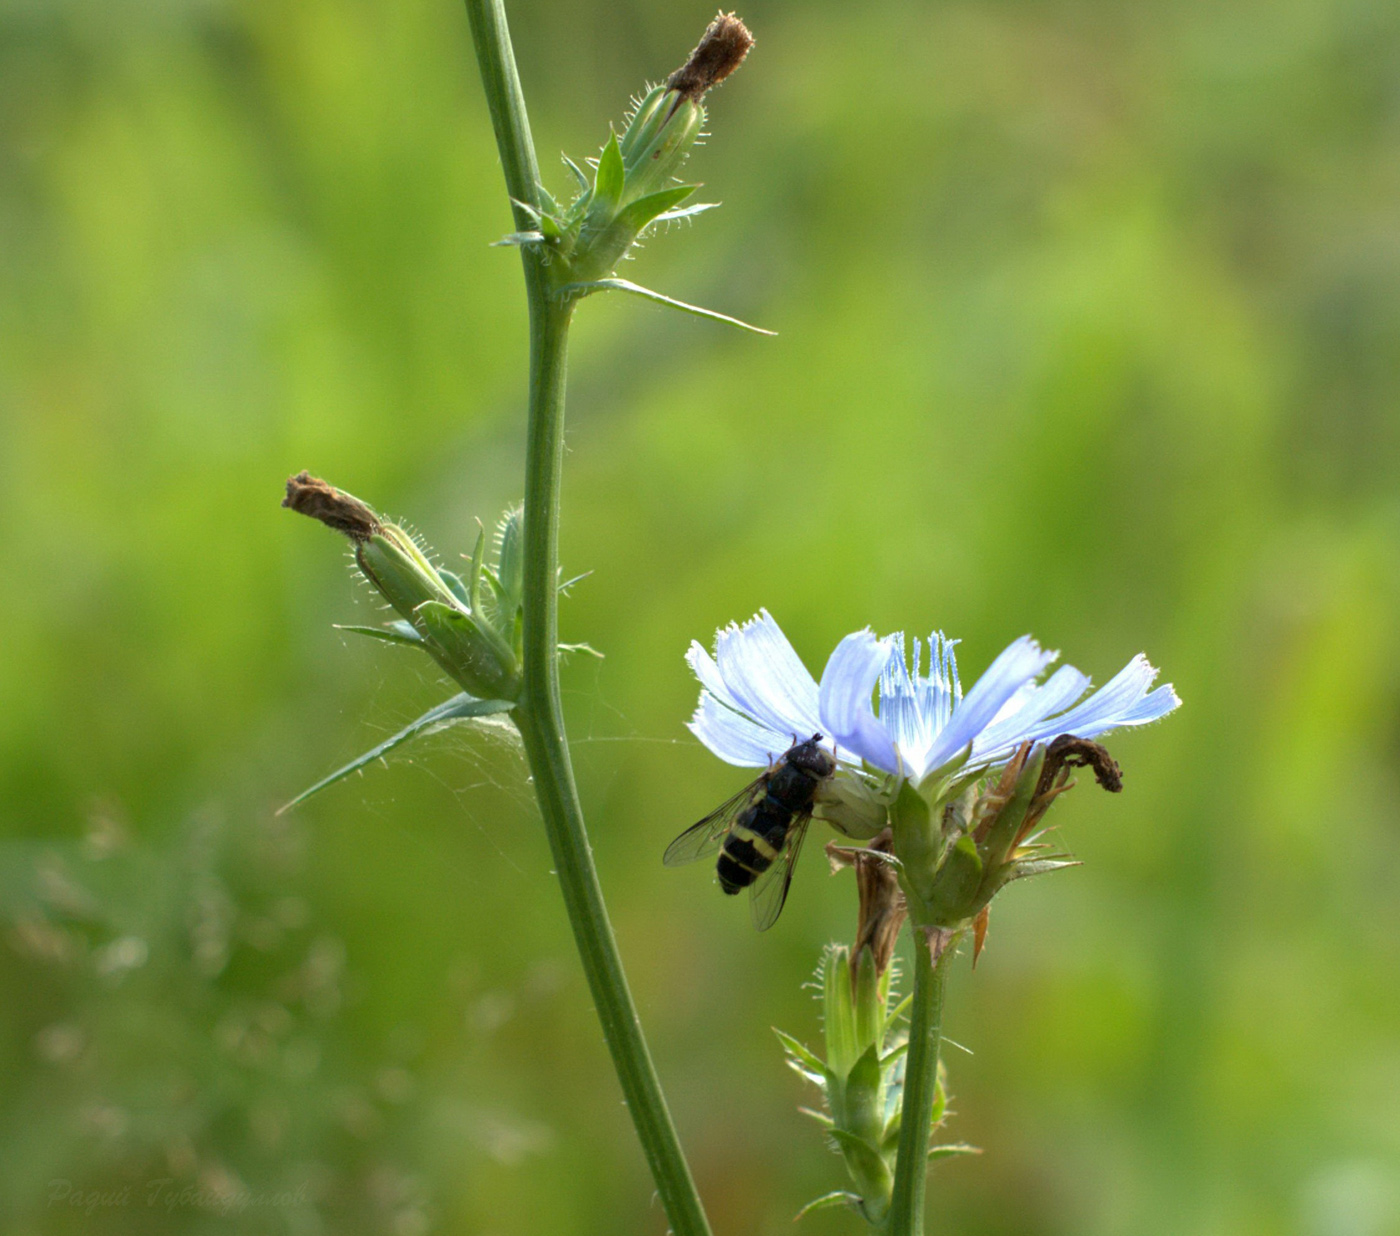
(309, 495)
(721, 50)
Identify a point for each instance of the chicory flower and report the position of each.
(757, 699)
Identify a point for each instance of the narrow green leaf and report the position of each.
(636, 215)
(510, 554)
(395, 633)
(805, 1073)
(894, 1054)
(474, 579)
(586, 649)
(951, 1150)
(688, 212)
(821, 1118)
(865, 1163)
(624, 285)
(459, 708)
(826, 1202)
(940, 1100)
(607, 185)
(579, 174)
(1041, 866)
(469, 640)
(800, 1051)
(863, 1113)
(838, 1014)
(518, 238)
(890, 1140)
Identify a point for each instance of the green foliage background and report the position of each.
(1089, 322)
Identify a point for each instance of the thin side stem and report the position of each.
(920, 1085)
(538, 714)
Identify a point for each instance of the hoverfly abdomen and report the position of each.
(742, 859)
(754, 840)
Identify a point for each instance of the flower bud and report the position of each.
(635, 183)
(391, 561)
(862, 1077)
(853, 807)
(668, 121)
(473, 642)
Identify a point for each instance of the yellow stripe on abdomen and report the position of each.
(758, 843)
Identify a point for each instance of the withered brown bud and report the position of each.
(1064, 753)
(1068, 751)
(882, 906)
(720, 51)
(309, 495)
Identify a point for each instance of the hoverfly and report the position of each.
(759, 831)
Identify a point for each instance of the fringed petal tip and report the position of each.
(765, 677)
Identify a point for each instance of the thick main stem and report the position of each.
(920, 1086)
(538, 714)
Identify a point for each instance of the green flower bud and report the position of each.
(634, 185)
(394, 564)
(658, 140)
(668, 121)
(853, 807)
(862, 1077)
(474, 640)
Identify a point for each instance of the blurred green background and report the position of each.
(1089, 320)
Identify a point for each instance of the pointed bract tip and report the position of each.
(721, 50)
(309, 495)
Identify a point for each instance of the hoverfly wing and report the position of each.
(707, 835)
(769, 892)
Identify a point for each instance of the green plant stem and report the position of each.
(920, 1086)
(538, 714)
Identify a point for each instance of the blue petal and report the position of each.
(703, 666)
(1125, 700)
(767, 679)
(1017, 665)
(846, 711)
(733, 737)
(1153, 706)
(1017, 719)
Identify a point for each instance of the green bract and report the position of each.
(632, 188)
(467, 629)
(958, 850)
